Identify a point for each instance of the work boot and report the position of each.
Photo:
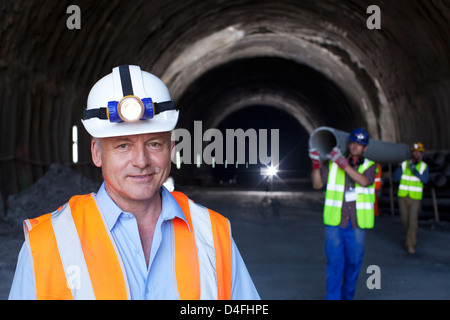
(410, 249)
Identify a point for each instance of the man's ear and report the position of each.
(96, 152)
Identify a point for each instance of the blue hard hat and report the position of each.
(359, 135)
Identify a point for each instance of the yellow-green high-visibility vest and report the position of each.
(334, 197)
(410, 185)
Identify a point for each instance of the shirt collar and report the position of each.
(111, 212)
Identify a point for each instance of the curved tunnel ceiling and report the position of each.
(272, 63)
(310, 97)
(316, 60)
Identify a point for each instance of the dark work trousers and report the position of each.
(344, 249)
(409, 213)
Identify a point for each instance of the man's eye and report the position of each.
(154, 144)
(122, 146)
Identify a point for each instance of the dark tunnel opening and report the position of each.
(262, 93)
(294, 164)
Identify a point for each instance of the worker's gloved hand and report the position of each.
(412, 166)
(336, 156)
(315, 158)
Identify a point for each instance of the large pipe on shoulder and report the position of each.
(324, 139)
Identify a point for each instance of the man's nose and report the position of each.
(141, 158)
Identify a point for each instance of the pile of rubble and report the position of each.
(50, 192)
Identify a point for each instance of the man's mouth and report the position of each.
(145, 175)
(141, 176)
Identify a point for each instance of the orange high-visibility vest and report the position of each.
(74, 255)
(378, 177)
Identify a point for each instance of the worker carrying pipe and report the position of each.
(348, 210)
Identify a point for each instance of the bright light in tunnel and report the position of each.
(272, 171)
(269, 171)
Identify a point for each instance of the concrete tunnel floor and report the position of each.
(282, 245)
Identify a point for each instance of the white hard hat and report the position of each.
(129, 101)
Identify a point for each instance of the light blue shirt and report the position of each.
(155, 282)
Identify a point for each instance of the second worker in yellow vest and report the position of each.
(412, 174)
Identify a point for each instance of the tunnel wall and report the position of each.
(395, 80)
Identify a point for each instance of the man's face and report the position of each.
(356, 149)
(134, 167)
(417, 155)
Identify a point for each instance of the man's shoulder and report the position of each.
(185, 202)
(44, 219)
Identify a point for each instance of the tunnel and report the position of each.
(286, 65)
(261, 93)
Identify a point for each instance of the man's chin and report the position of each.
(143, 192)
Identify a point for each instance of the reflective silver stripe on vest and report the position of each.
(364, 206)
(332, 173)
(365, 190)
(71, 253)
(204, 241)
(410, 178)
(410, 188)
(333, 203)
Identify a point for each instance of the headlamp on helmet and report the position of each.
(130, 108)
(129, 101)
(418, 146)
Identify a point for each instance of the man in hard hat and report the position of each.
(133, 239)
(412, 174)
(348, 211)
